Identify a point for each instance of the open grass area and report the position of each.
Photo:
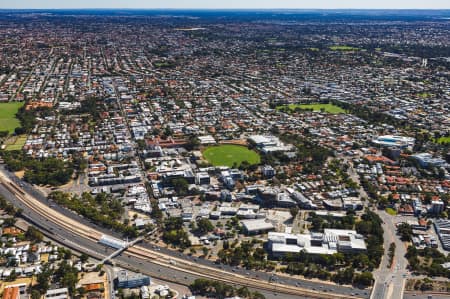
(8, 120)
(228, 154)
(15, 143)
(329, 108)
(442, 140)
(391, 211)
(343, 48)
(425, 95)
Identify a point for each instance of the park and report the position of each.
(8, 120)
(317, 107)
(229, 155)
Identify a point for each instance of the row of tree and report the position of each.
(427, 261)
(319, 223)
(249, 254)
(64, 275)
(47, 171)
(174, 233)
(103, 210)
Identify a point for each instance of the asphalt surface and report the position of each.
(419, 295)
(390, 281)
(96, 250)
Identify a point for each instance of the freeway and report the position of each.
(154, 261)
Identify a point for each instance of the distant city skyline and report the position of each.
(229, 4)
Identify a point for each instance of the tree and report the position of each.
(34, 234)
(35, 294)
(364, 279)
(204, 226)
(193, 143)
(70, 280)
(67, 276)
(19, 131)
(181, 186)
(9, 222)
(49, 171)
(43, 279)
(205, 251)
(84, 257)
(244, 292)
(405, 231)
(174, 233)
(257, 295)
(81, 291)
(294, 211)
(344, 276)
(167, 132)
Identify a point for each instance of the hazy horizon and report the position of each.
(230, 4)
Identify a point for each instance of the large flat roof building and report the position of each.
(269, 143)
(257, 226)
(329, 242)
(128, 280)
(394, 141)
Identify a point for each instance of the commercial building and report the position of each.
(269, 144)
(426, 160)
(257, 226)
(329, 242)
(394, 141)
(437, 207)
(62, 293)
(443, 230)
(268, 171)
(202, 178)
(126, 280)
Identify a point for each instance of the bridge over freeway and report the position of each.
(120, 245)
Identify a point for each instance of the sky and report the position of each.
(193, 4)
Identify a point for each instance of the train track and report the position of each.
(156, 257)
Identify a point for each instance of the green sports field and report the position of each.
(329, 108)
(228, 154)
(8, 120)
(391, 211)
(343, 48)
(442, 140)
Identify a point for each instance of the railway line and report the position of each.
(139, 252)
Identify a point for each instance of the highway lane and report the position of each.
(312, 285)
(97, 250)
(40, 197)
(420, 295)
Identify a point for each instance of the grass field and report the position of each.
(329, 108)
(15, 143)
(442, 140)
(8, 120)
(343, 48)
(391, 211)
(228, 154)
